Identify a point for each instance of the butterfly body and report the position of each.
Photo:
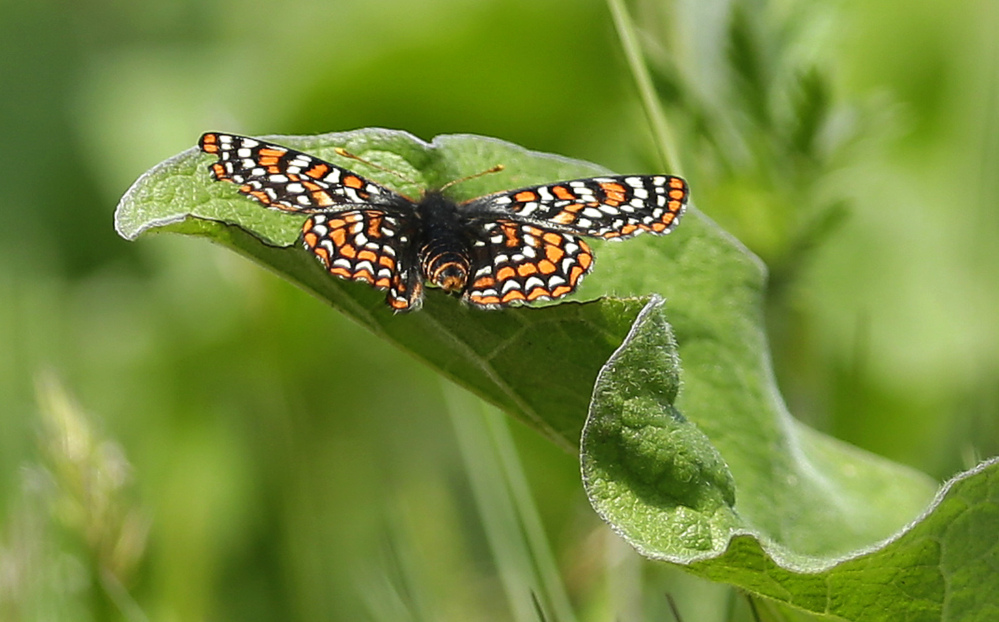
(507, 248)
(444, 243)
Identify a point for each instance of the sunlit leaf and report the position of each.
(677, 459)
(662, 485)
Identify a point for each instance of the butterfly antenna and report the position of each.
(488, 171)
(343, 153)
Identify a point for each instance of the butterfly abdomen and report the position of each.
(444, 247)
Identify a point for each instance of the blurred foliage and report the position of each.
(75, 536)
(869, 193)
(276, 447)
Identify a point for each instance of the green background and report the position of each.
(287, 465)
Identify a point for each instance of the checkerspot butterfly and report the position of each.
(501, 249)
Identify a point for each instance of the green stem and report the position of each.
(526, 566)
(628, 34)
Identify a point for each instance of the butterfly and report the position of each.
(507, 248)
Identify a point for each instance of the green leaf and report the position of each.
(941, 567)
(536, 364)
(678, 486)
(665, 488)
(650, 473)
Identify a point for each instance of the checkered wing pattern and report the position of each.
(503, 249)
(605, 207)
(289, 180)
(368, 246)
(516, 262)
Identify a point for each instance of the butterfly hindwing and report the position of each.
(515, 262)
(363, 245)
(289, 180)
(613, 207)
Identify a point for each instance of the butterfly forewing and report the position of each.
(290, 180)
(516, 263)
(614, 207)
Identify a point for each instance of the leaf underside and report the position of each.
(716, 476)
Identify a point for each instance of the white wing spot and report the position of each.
(533, 282)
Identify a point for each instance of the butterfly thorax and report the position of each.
(443, 247)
